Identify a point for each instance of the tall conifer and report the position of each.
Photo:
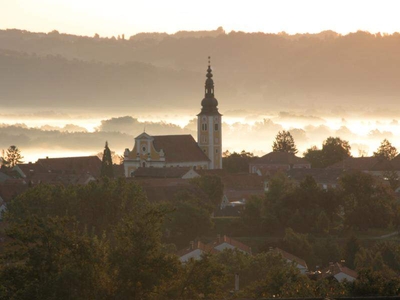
(106, 164)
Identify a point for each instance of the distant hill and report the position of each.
(254, 70)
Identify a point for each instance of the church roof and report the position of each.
(179, 148)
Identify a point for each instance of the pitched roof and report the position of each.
(337, 268)
(280, 158)
(179, 148)
(291, 257)
(12, 188)
(4, 177)
(74, 165)
(225, 239)
(176, 172)
(370, 163)
(197, 245)
(29, 169)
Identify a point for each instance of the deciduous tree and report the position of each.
(386, 150)
(284, 142)
(13, 156)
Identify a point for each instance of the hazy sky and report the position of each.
(108, 18)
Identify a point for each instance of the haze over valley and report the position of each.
(66, 95)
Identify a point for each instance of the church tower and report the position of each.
(209, 135)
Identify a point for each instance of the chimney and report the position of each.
(192, 245)
(218, 238)
(236, 282)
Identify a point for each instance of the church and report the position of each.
(182, 150)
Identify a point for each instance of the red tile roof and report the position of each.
(291, 257)
(74, 165)
(225, 239)
(30, 169)
(197, 245)
(179, 148)
(337, 268)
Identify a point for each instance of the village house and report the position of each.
(224, 242)
(195, 251)
(290, 258)
(339, 272)
(277, 161)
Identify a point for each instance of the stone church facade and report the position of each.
(182, 150)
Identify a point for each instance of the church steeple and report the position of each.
(209, 121)
(209, 103)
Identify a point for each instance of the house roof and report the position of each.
(74, 165)
(327, 176)
(225, 239)
(370, 163)
(283, 158)
(4, 177)
(12, 188)
(197, 245)
(29, 169)
(337, 268)
(291, 257)
(176, 172)
(179, 148)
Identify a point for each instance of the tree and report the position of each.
(284, 142)
(237, 162)
(314, 156)
(106, 163)
(13, 156)
(386, 150)
(334, 150)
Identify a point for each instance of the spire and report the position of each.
(209, 86)
(209, 103)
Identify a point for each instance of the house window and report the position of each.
(204, 127)
(216, 127)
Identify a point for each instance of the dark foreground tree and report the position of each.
(106, 163)
(13, 156)
(284, 142)
(386, 150)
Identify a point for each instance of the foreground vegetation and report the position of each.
(105, 241)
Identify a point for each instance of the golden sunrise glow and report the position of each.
(111, 18)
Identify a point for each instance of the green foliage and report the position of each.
(374, 283)
(284, 142)
(333, 150)
(212, 186)
(366, 202)
(386, 150)
(106, 163)
(13, 157)
(237, 162)
(50, 258)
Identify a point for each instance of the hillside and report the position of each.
(260, 70)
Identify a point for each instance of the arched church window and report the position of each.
(204, 127)
(216, 127)
(144, 165)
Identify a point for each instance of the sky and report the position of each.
(129, 17)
